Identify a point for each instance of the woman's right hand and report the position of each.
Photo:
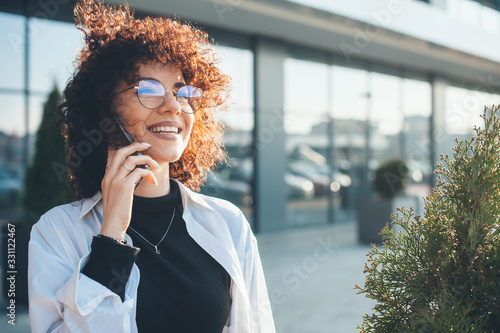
(118, 187)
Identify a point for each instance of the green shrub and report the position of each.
(390, 178)
(442, 272)
(46, 184)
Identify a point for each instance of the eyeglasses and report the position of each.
(152, 95)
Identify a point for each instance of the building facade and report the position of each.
(323, 91)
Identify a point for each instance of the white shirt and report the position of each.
(62, 299)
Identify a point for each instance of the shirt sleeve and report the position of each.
(61, 298)
(110, 264)
(257, 289)
(253, 275)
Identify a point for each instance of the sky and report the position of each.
(54, 46)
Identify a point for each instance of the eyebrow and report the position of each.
(179, 84)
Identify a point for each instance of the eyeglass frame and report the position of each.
(174, 92)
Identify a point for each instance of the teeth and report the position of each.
(164, 129)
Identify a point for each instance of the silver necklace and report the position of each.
(161, 240)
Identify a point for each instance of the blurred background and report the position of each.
(324, 93)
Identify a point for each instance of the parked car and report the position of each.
(10, 187)
(235, 191)
(298, 187)
(322, 177)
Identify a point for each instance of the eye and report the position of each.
(147, 91)
(150, 87)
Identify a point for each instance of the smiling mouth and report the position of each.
(165, 130)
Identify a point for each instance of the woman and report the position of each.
(141, 251)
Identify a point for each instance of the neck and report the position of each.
(146, 189)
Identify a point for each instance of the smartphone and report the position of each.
(130, 140)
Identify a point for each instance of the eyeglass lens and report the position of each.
(152, 95)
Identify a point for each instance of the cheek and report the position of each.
(133, 115)
(135, 120)
(189, 127)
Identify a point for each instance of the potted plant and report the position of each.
(441, 273)
(375, 212)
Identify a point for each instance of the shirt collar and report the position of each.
(190, 197)
(186, 194)
(90, 203)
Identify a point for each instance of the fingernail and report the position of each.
(156, 164)
(146, 144)
(152, 179)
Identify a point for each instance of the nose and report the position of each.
(170, 104)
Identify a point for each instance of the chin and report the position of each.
(166, 157)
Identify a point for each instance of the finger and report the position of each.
(109, 160)
(131, 163)
(107, 173)
(115, 168)
(134, 160)
(127, 184)
(121, 154)
(135, 176)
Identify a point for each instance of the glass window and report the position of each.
(417, 109)
(307, 177)
(36, 111)
(386, 119)
(12, 114)
(491, 99)
(349, 111)
(11, 51)
(494, 100)
(238, 63)
(54, 46)
(13, 117)
(463, 108)
(234, 182)
(11, 153)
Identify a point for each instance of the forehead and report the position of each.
(167, 74)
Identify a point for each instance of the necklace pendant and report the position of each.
(161, 240)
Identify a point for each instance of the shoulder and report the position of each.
(201, 201)
(59, 215)
(237, 224)
(69, 209)
(223, 206)
(61, 231)
(221, 217)
(229, 211)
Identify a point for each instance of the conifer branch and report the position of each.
(441, 273)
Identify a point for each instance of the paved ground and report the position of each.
(22, 323)
(310, 274)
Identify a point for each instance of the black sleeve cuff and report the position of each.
(110, 264)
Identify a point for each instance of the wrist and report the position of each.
(119, 241)
(117, 235)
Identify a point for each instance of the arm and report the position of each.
(110, 264)
(62, 299)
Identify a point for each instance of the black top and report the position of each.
(182, 289)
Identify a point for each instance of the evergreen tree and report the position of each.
(47, 181)
(442, 272)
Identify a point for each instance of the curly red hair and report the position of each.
(115, 46)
